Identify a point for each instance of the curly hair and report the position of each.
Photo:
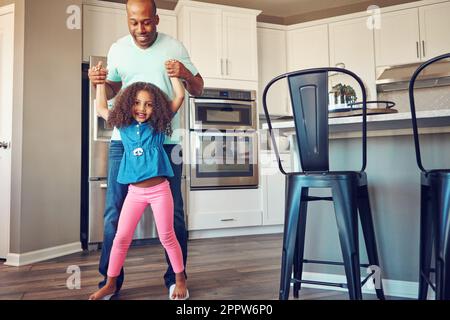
(122, 113)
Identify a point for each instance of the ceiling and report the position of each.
(293, 11)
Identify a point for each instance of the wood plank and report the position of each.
(234, 268)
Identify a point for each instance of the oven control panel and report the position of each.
(228, 94)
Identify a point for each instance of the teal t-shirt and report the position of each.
(127, 63)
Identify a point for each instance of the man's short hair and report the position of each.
(153, 5)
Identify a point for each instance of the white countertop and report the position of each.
(432, 118)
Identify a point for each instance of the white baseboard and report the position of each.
(233, 232)
(22, 259)
(393, 288)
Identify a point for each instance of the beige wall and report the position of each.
(47, 123)
(52, 127)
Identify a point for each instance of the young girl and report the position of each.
(143, 114)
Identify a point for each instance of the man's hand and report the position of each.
(175, 69)
(98, 74)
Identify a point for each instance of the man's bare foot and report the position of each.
(104, 293)
(180, 292)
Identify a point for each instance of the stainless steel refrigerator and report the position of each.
(96, 136)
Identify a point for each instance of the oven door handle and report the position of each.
(214, 101)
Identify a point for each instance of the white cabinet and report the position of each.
(272, 63)
(103, 25)
(307, 48)
(397, 41)
(221, 42)
(435, 30)
(200, 30)
(240, 46)
(413, 35)
(273, 188)
(220, 209)
(351, 47)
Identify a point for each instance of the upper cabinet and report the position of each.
(434, 29)
(221, 40)
(272, 63)
(397, 40)
(351, 47)
(413, 35)
(104, 24)
(307, 48)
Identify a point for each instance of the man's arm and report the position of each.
(194, 85)
(112, 88)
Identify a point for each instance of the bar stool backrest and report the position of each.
(309, 99)
(413, 105)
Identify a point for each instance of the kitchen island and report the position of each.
(394, 187)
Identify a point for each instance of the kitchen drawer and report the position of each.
(222, 220)
(215, 209)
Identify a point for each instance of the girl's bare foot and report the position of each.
(180, 292)
(106, 292)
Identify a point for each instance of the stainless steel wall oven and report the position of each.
(223, 140)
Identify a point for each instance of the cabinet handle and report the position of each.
(221, 67)
(340, 65)
(423, 48)
(227, 67)
(417, 48)
(226, 220)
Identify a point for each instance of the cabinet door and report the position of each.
(357, 57)
(307, 48)
(275, 199)
(240, 48)
(434, 30)
(203, 40)
(274, 191)
(272, 63)
(168, 25)
(397, 41)
(101, 28)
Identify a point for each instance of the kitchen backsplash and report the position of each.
(436, 98)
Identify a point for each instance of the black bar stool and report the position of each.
(434, 212)
(309, 97)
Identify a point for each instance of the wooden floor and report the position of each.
(237, 268)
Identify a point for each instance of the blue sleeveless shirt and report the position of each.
(144, 155)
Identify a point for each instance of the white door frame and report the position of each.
(6, 219)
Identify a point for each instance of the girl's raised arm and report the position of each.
(178, 90)
(101, 102)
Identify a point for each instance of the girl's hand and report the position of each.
(98, 74)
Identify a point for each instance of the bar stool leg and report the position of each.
(442, 238)
(344, 198)
(426, 241)
(290, 231)
(300, 244)
(365, 215)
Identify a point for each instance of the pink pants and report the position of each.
(160, 198)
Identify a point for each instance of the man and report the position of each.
(149, 56)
